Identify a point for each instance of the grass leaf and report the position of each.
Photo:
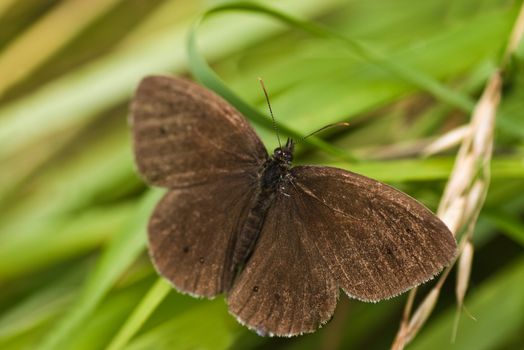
(120, 253)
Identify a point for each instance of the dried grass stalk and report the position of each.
(465, 193)
(463, 197)
(447, 141)
(464, 271)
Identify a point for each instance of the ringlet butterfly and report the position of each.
(279, 241)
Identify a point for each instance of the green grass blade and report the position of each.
(119, 254)
(79, 96)
(364, 51)
(428, 169)
(508, 224)
(46, 244)
(41, 306)
(207, 326)
(203, 72)
(140, 314)
(497, 305)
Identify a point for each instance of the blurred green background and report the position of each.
(73, 269)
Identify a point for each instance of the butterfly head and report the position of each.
(285, 153)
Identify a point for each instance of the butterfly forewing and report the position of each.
(185, 134)
(377, 241)
(286, 287)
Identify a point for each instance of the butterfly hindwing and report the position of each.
(191, 232)
(286, 287)
(377, 241)
(185, 134)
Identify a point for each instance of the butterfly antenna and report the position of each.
(270, 111)
(329, 126)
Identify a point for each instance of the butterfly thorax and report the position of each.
(273, 173)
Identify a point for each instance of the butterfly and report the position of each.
(280, 241)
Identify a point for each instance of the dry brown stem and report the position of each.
(465, 192)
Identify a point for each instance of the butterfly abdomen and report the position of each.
(248, 235)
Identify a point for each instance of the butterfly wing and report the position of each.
(286, 288)
(190, 140)
(191, 232)
(330, 228)
(377, 241)
(184, 134)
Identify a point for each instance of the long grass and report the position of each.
(406, 74)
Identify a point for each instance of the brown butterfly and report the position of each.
(279, 241)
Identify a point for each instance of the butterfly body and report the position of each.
(273, 177)
(281, 242)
